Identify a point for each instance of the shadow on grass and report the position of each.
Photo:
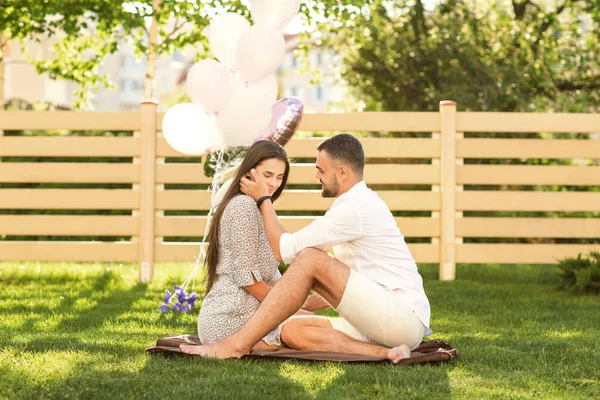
(192, 378)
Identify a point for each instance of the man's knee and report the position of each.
(309, 257)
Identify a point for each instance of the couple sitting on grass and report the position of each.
(372, 282)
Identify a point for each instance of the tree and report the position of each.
(89, 30)
(526, 57)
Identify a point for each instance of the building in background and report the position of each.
(23, 84)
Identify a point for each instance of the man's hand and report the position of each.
(254, 187)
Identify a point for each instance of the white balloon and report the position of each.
(209, 85)
(260, 51)
(190, 130)
(278, 13)
(223, 36)
(221, 192)
(245, 118)
(264, 91)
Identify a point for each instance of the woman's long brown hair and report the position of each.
(260, 151)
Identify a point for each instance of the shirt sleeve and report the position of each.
(340, 224)
(241, 224)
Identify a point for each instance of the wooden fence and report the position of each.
(451, 214)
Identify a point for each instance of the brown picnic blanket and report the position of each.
(429, 351)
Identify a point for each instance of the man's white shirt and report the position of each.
(364, 236)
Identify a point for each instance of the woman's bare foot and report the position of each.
(398, 353)
(219, 350)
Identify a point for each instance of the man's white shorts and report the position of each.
(370, 313)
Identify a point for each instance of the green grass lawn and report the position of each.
(79, 331)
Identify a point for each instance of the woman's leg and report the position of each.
(263, 346)
(260, 346)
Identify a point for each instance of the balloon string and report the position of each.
(214, 187)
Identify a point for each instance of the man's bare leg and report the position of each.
(312, 269)
(316, 333)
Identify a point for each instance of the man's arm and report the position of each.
(256, 189)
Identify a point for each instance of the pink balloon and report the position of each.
(209, 85)
(287, 115)
(260, 52)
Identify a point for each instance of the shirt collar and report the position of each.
(356, 188)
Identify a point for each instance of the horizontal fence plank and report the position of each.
(302, 200)
(372, 121)
(72, 199)
(476, 200)
(527, 175)
(366, 121)
(71, 120)
(519, 253)
(69, 225)
(69, 172)
(527, 148)
(373, 148)
(375, 174)
(73, 146)
(422, 252)
(528, 227)
(194, 226)
(68, 251)
(527, 122)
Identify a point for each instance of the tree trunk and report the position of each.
(149, 83)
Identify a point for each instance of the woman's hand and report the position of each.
(253, 186)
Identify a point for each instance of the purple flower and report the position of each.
(167, 296)
(192, 299)
(181, 308)
(164, 308)
(177, 290)
(186, 308)
(181, 294)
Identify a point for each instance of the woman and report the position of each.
(240, 263)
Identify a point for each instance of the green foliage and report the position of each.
(525, 57)
(229, 159)
(91, 30)
(581, 274)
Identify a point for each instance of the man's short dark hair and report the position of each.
(347, 149)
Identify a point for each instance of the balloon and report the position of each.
(221, 193)
(209, 85)
(287, 114)
(260, 52)
(274, 12)
(244, 119)
(189, 130)
(263, 91)
(223, 36)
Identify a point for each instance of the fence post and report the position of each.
(147, 191)
(448, 191)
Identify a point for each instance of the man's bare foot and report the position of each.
(398, 353)
(219, 350)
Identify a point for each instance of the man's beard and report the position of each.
(330, 190)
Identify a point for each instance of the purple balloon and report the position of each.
(287, 114)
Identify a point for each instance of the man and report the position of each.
(372, 282)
